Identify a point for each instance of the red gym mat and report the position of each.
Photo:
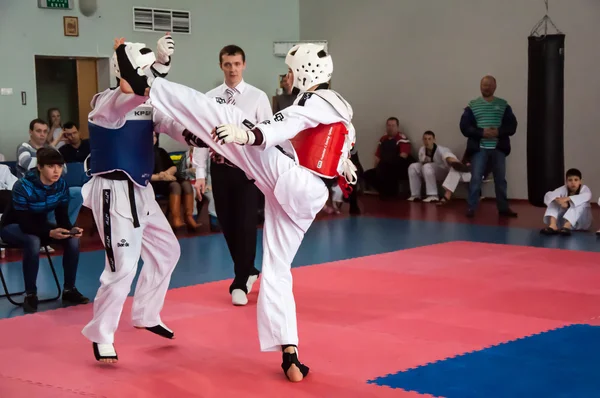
(359, 319)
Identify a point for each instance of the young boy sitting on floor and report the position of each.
(568, 206)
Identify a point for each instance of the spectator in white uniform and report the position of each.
(432, 167)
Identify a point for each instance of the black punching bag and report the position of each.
(545, 116)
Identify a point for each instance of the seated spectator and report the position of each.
(7, 181)
(25, 224)
(568, 206)
(26, 152)
(203, 184)
(56, 138)
(186, 171)
(459, 171)
(432, 167)
(165, 183)
(75, 149)
(392, 159)
(27, 160)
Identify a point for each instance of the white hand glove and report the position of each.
(229, 133)
(164, 49)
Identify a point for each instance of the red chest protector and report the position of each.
(319, 149)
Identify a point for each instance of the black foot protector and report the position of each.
(290, 359)
(106, 353)
(161, 331)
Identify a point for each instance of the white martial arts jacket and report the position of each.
(311, 109)
(439, 157)
(583, 198)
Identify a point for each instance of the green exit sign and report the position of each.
(56, 4)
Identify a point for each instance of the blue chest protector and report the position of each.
(129, 148)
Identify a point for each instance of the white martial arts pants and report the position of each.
(153, 240)
(453, 178)
(580, 217)
(430, 172)
(293, 197)
(337, 195)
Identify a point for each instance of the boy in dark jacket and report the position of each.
(25, 224)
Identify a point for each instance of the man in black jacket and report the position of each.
(488, 122)
(25, 224)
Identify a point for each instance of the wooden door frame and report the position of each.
(85, 93)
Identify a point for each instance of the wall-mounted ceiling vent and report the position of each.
(161, 20)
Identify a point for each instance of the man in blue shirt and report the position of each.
(25, 224)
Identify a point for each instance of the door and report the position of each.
(56, 87)
(87, 87)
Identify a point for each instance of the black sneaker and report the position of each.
(507, 213)
(72, 296)
(30, 304)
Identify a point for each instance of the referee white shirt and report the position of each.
(251, 100)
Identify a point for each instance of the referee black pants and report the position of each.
(236, 200)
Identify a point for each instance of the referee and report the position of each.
(236, 197)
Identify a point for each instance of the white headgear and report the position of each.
(310, 64)
(143, 56)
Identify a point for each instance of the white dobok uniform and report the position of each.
(293, 194)
(432, 172)
(579, 213)
(125, 242)
(454, 177)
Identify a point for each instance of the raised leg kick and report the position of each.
(279, 154)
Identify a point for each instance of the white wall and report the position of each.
(26, 31)
(422, 60)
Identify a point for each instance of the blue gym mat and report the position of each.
(563, 362)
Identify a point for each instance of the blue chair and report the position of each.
(75, 175)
